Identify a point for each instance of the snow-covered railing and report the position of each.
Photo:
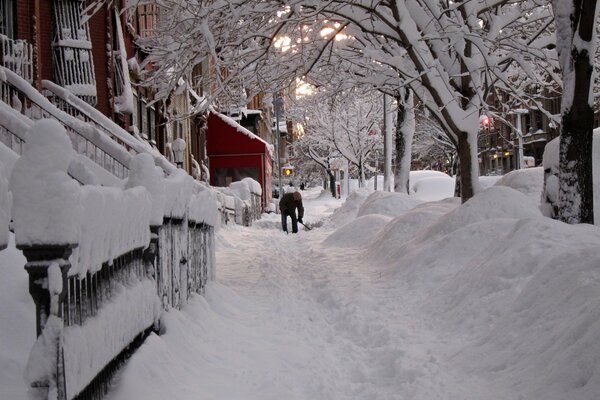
(17, 56)
(247, 197)
(86, 139)
(99, 259)
(81, 110)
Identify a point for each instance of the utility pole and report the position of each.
(519, 132)
(387, 144)
(278, 105)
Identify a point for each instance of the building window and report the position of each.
(73, 64)
(7, 18)
(143, 118)
(151, 124)
(147, 19)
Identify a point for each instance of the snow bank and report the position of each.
(46, 201)
(349, 209)
(434, 188)
(390, 204)
(353, 234)
(532, 299)
(408, 225)
(523, 290)
(488, 181)
(416, 176)
(529, 181)
(494, 202)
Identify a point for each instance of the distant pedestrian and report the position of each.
(288, 204)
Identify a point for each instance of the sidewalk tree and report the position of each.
(576, 23)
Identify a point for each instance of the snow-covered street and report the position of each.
(298, 317)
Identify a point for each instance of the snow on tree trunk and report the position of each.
(576, 43)
(405, 131)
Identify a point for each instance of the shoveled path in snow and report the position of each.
(289, 318)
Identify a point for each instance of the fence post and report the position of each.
(40, 258)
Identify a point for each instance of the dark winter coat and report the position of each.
(288, 203)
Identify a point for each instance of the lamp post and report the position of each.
(278, 105)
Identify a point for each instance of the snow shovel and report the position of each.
(305, 226)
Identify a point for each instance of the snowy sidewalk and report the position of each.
(435, 305)
(291, 319)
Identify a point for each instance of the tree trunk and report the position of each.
(405, 130)
(332, 183)
(467, 167)
(576, 196)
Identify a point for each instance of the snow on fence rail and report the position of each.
(101, 259)
(86, 139)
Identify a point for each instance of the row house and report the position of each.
(499, 141)
(95, 57)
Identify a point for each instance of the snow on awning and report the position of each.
(232, 123)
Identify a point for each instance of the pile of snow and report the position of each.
(488, 181)
(529, 181)
(353, 234)
(348, 211)
(408, 225)
(241, 190)
(391, 204)
(495, 202)
(253, 185)
(525, 289)
(434, 188)
(416, 176)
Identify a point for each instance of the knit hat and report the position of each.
(297, 196)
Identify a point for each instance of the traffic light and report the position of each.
(485, 121)
(287, 171)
